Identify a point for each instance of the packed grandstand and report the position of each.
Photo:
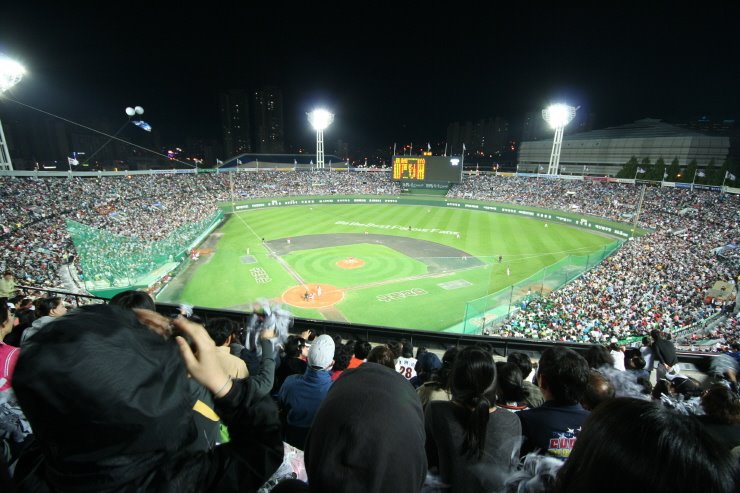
(657, 281)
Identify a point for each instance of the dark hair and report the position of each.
(721, 404)
(396, 348)
(382, 355)
(44, 306)
(565, 372)
(448, 362)
(419, 351)
(473, 387)
(342, 357)
(293, 346)
(662, 386)
(4, 310)
(645, 444)
(510, 387)
(407, 349)
(655, 334)
(522, 361)
(362, 349)
(133, 299)
(598, 356)
(220, 329)
(599, 389)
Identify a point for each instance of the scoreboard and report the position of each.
(427, 169)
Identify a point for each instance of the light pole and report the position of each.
(557, 116)
(11, 73)
(320, 119)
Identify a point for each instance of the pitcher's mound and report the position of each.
(313, 295)
(351, 263)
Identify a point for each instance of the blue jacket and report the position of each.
(301, 395)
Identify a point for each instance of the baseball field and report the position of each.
(405, 266)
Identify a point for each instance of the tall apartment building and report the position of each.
(235, 123)
(268, 120)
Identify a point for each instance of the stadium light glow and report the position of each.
(557, 116)
(320, 119)
(11, 73)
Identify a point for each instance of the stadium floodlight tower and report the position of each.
(320, 120)
(11, 73)
(557, 116)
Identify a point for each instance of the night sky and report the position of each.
(389, 73)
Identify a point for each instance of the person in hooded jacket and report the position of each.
(47, 309)
(110, 406)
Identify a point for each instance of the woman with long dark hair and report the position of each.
(47, 309)
(468, 439)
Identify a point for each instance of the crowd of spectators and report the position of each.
(187, 416)
(653, 281)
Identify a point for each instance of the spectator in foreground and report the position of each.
(648, 446)
(301, 395)
(119, 418)
(134, 299)
(47, 309)
(367, 436)
(552, 428)
(221, 330)
(469, 439)
(342, 355)
(534, 397)
(361, 350)
(722, 418)
(664, 354)
(8, 354)
(437, 388)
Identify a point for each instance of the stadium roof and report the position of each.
(645, 128)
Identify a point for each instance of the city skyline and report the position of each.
(388, 78)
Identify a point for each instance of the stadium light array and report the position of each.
(11, 73)
(557, 116)
(320, 120)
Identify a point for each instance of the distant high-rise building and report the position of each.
(487, 136)
(235, 126)
(268, 120)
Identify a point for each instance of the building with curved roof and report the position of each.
(605, 151)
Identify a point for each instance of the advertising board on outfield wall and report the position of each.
(622, 231)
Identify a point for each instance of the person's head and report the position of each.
(642, 443)
(635, 362)
(133, 299)
(220, 329)
(719, 402)
(448, 362)
(342, 357)
(598, 356)
(598, 390)
(474, 388)
(362, 349)
(343, 452)
(126, 393)
(663, 387)
(407, 349)
(523, 361)
(655, 334)
(295, 347)
(50, 307)
(8, 275)
(427, 366)
(509, 387)
(321, 353)
(563, 375)
(7, 315)
(646, 341)
(383, 356)
(396, 348)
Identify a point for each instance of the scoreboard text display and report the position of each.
(428, 169)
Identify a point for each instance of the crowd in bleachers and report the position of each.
(225, 408)
(653, 281)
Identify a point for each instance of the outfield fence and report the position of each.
(111, 262)
(489, 311)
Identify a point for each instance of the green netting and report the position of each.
(489, 310)
(110, 260)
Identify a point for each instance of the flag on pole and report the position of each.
(429, 147)
(729, 176)
(238, 161)
(665, 174)
(700, 174)
(463, 146)
(640, 170)
(295, 161)
(72, 161)
(219, 162)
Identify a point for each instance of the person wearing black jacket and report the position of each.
(664, 354)
(109, 403)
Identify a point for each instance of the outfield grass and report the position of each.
(224, 281)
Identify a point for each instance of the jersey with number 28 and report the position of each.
(405, 366)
